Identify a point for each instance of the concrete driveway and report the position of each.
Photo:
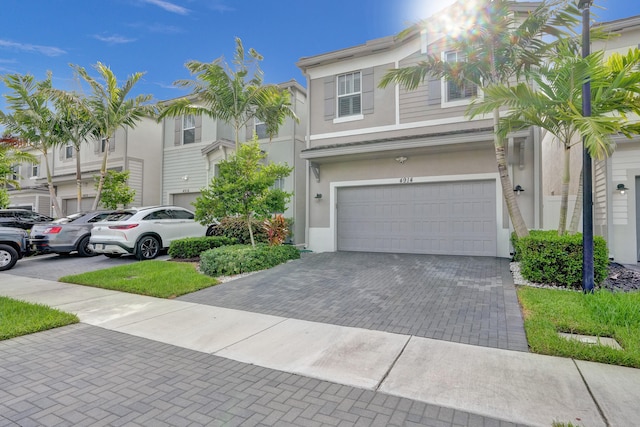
(468, 300)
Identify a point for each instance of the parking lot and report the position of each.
(52, 267)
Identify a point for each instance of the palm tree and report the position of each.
(109, 108)
(233, 95)
(554, 103)
(32, 120)
(496, 49)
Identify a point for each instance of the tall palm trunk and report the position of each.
(103, 174)
(564, 191)
(52, 190)
(519, 225)
(78, 180)
(577, 209)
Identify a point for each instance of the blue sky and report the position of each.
(159, 36)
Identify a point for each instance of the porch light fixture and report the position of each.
(518, 189)
(185, 177)
(318, 196)
(621, 188)
(401, 159)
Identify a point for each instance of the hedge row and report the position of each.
(229, 260)
(192, 247)
(546, 257)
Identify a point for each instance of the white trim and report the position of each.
(325, 239)
(389, 128)
(352, 118)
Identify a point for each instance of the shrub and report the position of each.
(192, 247)
(229, 260)
(276, 229)
(546, 257)
(236, 228)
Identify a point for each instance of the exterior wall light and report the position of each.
(318, 196)
(621, 188)
(518, 189)
(401, 159)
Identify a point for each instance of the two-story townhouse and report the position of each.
(137, 150)
(391, 170)
(194, 145)
(616, 189)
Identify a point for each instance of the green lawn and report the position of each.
(22, 318)
(162, 279)
(603, 314)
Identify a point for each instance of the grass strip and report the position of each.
(162, 279)
(21, 318)
(603, 314)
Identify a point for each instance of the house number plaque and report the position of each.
(406, 179)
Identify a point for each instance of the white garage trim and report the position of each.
(322, 239)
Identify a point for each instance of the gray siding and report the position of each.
(136, 180)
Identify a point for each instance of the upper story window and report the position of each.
(455, 93)
(68, 151)
(188, 129)
(261, 129)
(349, 94)
(35, 170)
(15, 172)
(103, 145)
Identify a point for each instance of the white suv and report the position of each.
(143, 232)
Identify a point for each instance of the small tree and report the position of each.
(115, 190)
(244, 188)
(4, 198)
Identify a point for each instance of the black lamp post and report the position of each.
(587, 206)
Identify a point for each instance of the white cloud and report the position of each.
(168, 6)
(157, 28)
(33, 48)
(114, 39)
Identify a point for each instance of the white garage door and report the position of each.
(449, 218)
(185, 200)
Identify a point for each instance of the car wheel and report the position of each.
(84, 248)
(8, 257)
(148, 247)
(113, 255)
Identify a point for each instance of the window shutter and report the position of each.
(435, 91)
(329, 98)
(368, 89)
(198, 132)
(112, 144)
(177, 137)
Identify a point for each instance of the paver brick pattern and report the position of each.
(82, 375)
(469, 300)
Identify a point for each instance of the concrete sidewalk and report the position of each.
(513, 386)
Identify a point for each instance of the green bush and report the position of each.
(192, 247)
(229, 260)
(546, 257)
(236, 228)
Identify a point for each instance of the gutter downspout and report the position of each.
(307, 166)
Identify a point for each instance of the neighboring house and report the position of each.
(617, 212)
(401, 171)
(194, 145)
(137, 150)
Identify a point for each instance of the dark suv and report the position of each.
(13, 246)
(21, 218)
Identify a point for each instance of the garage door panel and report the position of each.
(437, 218)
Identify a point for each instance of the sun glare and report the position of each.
(453, 22)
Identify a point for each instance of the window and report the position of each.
(104, 145)
(180, 214)
(349, 94)
(454, 92)
(35, 170)
(261, 129)
(15, 172)
(188, 129)
(278, 184)
(68, 151)
(216, 170)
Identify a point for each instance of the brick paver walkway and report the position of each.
(469, 300)
(82, 375)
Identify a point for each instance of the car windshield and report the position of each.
(119, 216)
(67, 219)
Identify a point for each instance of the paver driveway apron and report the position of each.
(462, 299)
